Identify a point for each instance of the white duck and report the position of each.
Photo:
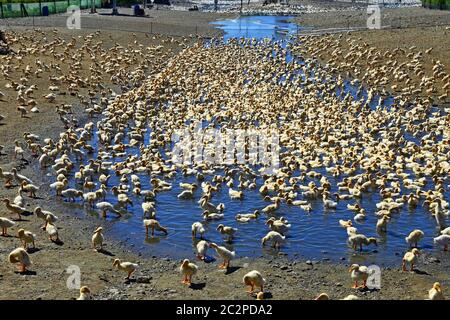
(197, 228)
(202, 247)
(275, 237)
(254, 279)
(127, 267)
(359, 273)
(226, 254)
(20, 256)
(442, 240)
(97, 239)
(5, 223)
(435, 293)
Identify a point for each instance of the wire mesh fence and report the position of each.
(112, 23)
(41, 8)
(127, 22)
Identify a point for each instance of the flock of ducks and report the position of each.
(128, 136)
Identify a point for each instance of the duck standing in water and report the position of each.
(197, 228)
(153, 225)
(275, 237)
(229, 231)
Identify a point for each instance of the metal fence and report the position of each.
(24, 9)
(144, 25)
(112, 23)
(436, 4)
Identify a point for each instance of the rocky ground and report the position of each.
(390, 18)
(159, 278)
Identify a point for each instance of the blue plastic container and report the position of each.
(45, 11)
(136, 9)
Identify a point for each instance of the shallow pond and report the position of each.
(273, 27)
(315, 235)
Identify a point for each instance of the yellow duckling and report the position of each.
(254, 279)
(202, 247)
(149, 210)
(235, 195)
(245, 217)
(226, 254)
(26, 237)
(5, 223)
(359, 273)
(435, 293)
(44, 215)
(85, 293)
(361, 216)
(296, 202)
(354, 207)
(306, 207)
(272, 207)
(359, 240)
(322, 296)
(14, 208)
(153, 224)
(197, 228)
(382, 223)
(188, 269)
(30, 188)
(278, 225)
(276, 238)
(411, 258)
(446, 231)
(51, 229)
(127, 267)
(97, 239)
(212, 216)
(59, 186)
(229, 231)
(414, 237)
(350, 297)
(20, 256)
(345, 223)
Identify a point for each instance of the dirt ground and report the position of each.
(158, 278)
(392, 18)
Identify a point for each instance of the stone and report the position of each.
(143, 279)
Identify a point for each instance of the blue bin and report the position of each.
(136, 9)
(45, 11)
